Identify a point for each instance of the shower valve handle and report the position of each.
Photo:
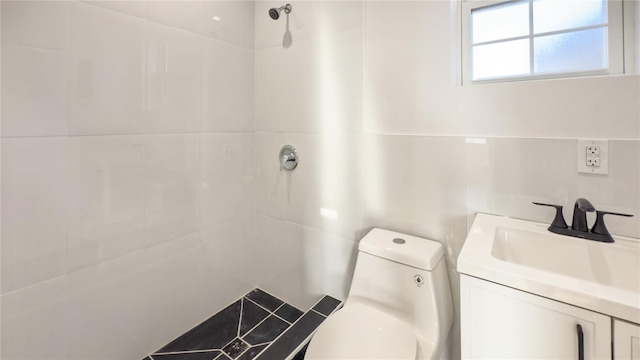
(288, 158)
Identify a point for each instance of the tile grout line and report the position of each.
(285, 320)
(260, 306)
(300, 346)
(319, 313)
(270, 313)
(264, 343)
(290, 326)
(240, 317)
(258, 324)
(186, 352)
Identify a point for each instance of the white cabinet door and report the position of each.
(499, 322)
(626, 340)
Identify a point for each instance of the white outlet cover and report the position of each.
(603, 145)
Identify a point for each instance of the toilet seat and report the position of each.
(359, 331)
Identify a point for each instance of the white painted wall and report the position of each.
(127, 173)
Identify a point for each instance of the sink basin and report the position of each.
(607, 264)
(604, 277)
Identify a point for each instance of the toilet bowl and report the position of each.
(365, 333)
(399, 305)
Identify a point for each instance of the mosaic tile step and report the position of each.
(257, 326)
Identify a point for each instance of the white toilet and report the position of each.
(399, 305)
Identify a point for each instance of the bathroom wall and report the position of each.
(309, 95)
(128, 175)
(367, 92)
(139, 196)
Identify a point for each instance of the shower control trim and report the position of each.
(288, 158)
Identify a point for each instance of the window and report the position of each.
(527, 39)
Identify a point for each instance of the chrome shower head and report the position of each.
(275, 12)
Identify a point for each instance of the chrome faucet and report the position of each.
(579, 227)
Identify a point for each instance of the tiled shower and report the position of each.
(140, 185)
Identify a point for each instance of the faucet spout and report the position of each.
(580, 209)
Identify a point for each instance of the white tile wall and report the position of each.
(231, 265)
(129, 7)
(308, 19)
(137, 161)
(107, 310)
(404, 35)
(124, 329)
(42, 24)
(228, 21)
(323, 192)
(35, 43)
(272, 190)
(35, 210)
(102, 167)
(416, 185)
(107, 198)
(107, 72)
(227, 88)
(301, 264)
(319, 84)
(529, 177)
(45, 323)
(227, 185)
(505, 175)
(425, 100)
(183, 15)
(35, 85)
(173, 71)
(171, 187)
(407, 164)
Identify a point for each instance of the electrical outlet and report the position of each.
(593, 156)
(593, 150)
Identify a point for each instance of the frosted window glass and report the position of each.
(500, 22)
(509, 58)
(553, 15)
(575, 51)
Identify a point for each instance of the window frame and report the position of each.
(615, 44)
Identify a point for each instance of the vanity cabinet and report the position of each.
(626, 340)
(498, 322)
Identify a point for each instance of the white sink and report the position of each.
(606, 264)
(603, 277)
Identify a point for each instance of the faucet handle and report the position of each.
(558, 221)
(599, 227)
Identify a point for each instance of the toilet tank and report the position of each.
(406, 276)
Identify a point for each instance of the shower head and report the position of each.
(275, 12)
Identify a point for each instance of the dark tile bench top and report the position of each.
(258, 326)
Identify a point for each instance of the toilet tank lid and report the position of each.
(413, 251)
